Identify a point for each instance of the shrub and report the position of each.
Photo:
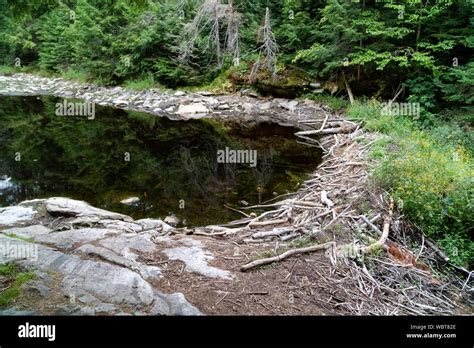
(335, 103)
(145, 83)
(434, 184)
(370, 113)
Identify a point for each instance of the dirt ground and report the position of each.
(289, 287)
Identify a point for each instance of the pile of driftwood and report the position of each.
(397, 281)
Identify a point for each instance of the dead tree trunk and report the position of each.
(268, 49)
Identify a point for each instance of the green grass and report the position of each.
(219, 84)
(335, 103)
(74, 75)
(303, 243)
(141, 84)
(5, 69)
(12, 275)
(8, 69)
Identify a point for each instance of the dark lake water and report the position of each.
(172, 166)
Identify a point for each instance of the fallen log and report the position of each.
(272, 233)
(343, 129)
(267, 223)
(287, 254)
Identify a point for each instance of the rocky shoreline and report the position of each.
(93, 261)
(242, 107)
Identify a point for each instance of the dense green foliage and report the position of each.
(376, 45)
(430, 177)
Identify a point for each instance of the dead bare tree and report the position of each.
(232, 38)
(268, 49)
(211, 16)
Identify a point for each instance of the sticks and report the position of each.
(325, 200)
(342, 129)
(348, 88)
(274, 232)
(386, 228)
(236, 210)
(266, 223)
(287, 254)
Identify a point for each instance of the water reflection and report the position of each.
(170, 166)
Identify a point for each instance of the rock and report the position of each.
(105, 308)
(72, 207)
(248, 107)
(131, 200)
(172, 220)
(16, 312)
(249, 92)
(43, 276)
(205, 93)
(223, 107)
(124, 258)
(129, 227)
(5, 183)
(149, 224)
(265, 106)
(194, 108)
(69, 238)
(196, 259)
(147, 104)
(289, 105)
(194, 116)
(121, 102)
(85, 221)
(212, 101)
(36, 287)
(87, 299)
(86, 311)
(28, 232)
(153, 100)
(253, 94)
(160, 307)
(16, 214)
(180, 306)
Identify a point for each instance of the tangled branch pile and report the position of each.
(375, 270)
